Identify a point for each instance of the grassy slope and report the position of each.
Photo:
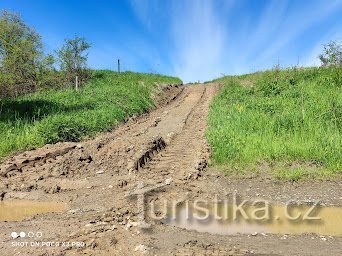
(66, 115)
(257, 120)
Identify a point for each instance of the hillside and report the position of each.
(50, 116)
(284, 122)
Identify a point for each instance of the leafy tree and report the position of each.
(332, 54)
(73, 57)
(24, 67)
(21, 54)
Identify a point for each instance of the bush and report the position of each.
(332, 54)
(21, 51)
(73, 59)
(23, 66)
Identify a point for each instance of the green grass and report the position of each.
(66, 115)
(287, 120)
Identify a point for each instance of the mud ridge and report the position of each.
(156, 146)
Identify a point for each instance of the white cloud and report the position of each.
(202, 44)
(295, 24)
(199, 40)
(147, 11)
(197, 36)
(263, 30)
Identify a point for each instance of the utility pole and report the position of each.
(118, 65)
(76, 83)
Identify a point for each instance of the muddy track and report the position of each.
(187, 153)
(166, 149)
(94, 175)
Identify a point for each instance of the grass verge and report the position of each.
(67, 115)
(287, 122)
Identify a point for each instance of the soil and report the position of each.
(166, 149)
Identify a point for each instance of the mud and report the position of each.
(272, 219)
(17, 210)
(166, 151)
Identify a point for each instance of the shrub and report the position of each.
(73, 58)
(332, 54)
(21, 52)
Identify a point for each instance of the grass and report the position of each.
(67, 115)
(288, 122)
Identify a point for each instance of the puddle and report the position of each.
(17, 210)
(219, 219)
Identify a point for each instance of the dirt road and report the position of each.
(164, 149)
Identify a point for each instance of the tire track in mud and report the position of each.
(160, 144)
(187, 154)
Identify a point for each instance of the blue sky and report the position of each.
(192, 39)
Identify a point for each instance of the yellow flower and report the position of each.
(240, 108)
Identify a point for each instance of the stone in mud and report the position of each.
(99, 146)
(91, 243)
(122, 183)
(53, 190)
(7, 168)
(323, 238)
(85, 157)
(40, 178)
(156, 121)
(130, 166)
(141, 248)
(113, 242)
(131, 224)
(2, 195)
(108, 219)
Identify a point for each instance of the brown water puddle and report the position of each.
(17, 210)
(220, 219)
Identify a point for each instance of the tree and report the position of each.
(21, 53)
(332, 54)
(73, 57)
